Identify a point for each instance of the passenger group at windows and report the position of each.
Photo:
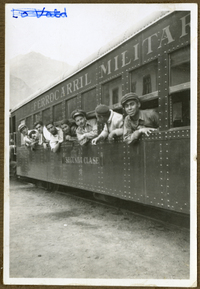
(78, 128)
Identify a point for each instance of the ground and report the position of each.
(56, 235)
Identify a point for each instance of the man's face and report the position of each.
(132, 107)
(80, 121)
(51, 128)
(65, 128)
(100, 118)
(39, 128)
(34, 136)
(24, 131)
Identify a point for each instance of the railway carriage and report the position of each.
(154, 62)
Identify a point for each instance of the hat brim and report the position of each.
(79, 114)
(21, 128)
(131, 98)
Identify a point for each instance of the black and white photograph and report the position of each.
(100, 173)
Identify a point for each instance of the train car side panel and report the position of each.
(153, 172)
(71, 159)
(55, 172)
(133, 164)
(39, 163)
(90, 169)
(113, 169)
(23, 162)
(178, 174)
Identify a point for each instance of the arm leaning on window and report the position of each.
(130, 135)
(116, 129)
(104, 133)
(60, 135)
(92, 133)
(79, 134)
(155, 118)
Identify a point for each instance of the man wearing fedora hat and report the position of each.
(85, 131)
(137, 122)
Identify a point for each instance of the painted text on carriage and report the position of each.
(82, 160)
(161, 38)
(65, 90)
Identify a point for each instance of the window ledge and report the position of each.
(179, 87)
(149, 96)
(179, 128)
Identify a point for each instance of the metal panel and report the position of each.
(55, 173)
(89, 171)
(134, 171)
(38, 164)
(23, 161)
(112, 171)
(32, 163)
(154, 173)
(177, 156)
(71, 164)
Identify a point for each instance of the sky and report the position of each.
(86, 28)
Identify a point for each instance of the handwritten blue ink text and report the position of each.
(32, 12)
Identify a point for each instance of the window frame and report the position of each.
(175, 89)
(119, 87)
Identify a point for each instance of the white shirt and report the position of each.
(57, 138)
(114, 123)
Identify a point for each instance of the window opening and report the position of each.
(89, 100)
(115, 95)
(57, 112)
(151, 104)
(36, 117)
(133, 86)
(46, 116)
(180, 109)
(21, 136)
(29, 123)
(144, 80)
(146, 84)
(71, 105)
(180, 66)
(112, 92)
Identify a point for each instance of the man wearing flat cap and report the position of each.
(85, 131)
(137, 122)
(113, 123)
